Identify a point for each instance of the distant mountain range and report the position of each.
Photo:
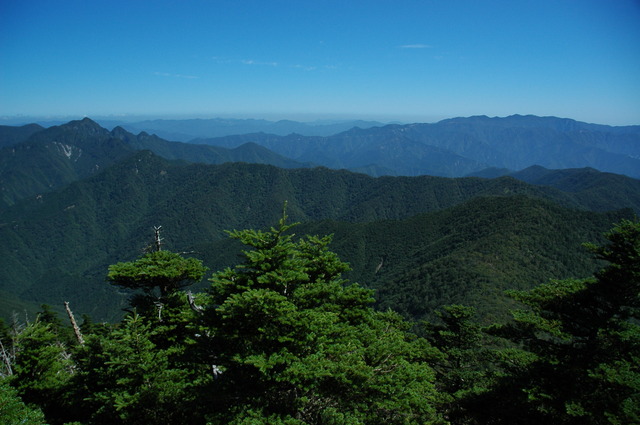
(36, 160)
(450, 148)
(462, 146)
(186, 130)
(183, 130)
(78, 197)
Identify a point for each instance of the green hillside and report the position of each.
(469, 254)
(11, 135)
(54, 157)
(36, 160)
(58, 247)
(596, 190)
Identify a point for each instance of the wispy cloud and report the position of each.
(415, 46)
(169, 75)
(253, 62)
(305, 67)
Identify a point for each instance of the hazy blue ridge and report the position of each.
(457, 147)
(186, 130)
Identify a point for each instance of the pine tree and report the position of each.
(464, 370)
(128, 379)
(43, 370)
(580, 339)
(13, 411)
(295, 343)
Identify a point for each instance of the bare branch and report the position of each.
(192, 303)
(7, 360)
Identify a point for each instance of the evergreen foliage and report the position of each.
(128, 377)
(58, 247)
(464, 371)
(297, 344)
(283, 338)
(13, 411)
(43, 369)
(581, 341)
(158, 273)
(468, 254)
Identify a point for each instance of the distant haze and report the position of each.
(404, 61)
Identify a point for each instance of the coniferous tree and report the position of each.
(158, 274)
(43, 370)
(13, 411)
(580, 339)
(143, 370)
(296, 344)
(464, 370)
(130, 380)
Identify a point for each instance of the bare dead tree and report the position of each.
(159, 307)
(158, 239)
(76, 329)
(7, 359)
(379, 266)
(192, 303)
(8, 352)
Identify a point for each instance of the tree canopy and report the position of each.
(157, 273)
(283, 338)
(580, 342)
(298, 344)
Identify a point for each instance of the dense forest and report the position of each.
(283, 338)
(127, 294)
(59, 244)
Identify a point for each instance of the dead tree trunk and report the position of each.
(7, 360)
(158, 238)
(76, 329)
(192, 303)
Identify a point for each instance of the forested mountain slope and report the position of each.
(10, 135)
(53, 157)
(58, 247)
(90, 198)
(41, 160)
(591, 188)
(469, 253)
(376, 151)
(248, 152)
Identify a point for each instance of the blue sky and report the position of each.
(388, 60)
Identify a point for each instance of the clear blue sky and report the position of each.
(385, 59)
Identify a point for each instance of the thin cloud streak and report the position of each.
(169, 75)
(253, 62)
(415, 46)
(305, 67)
